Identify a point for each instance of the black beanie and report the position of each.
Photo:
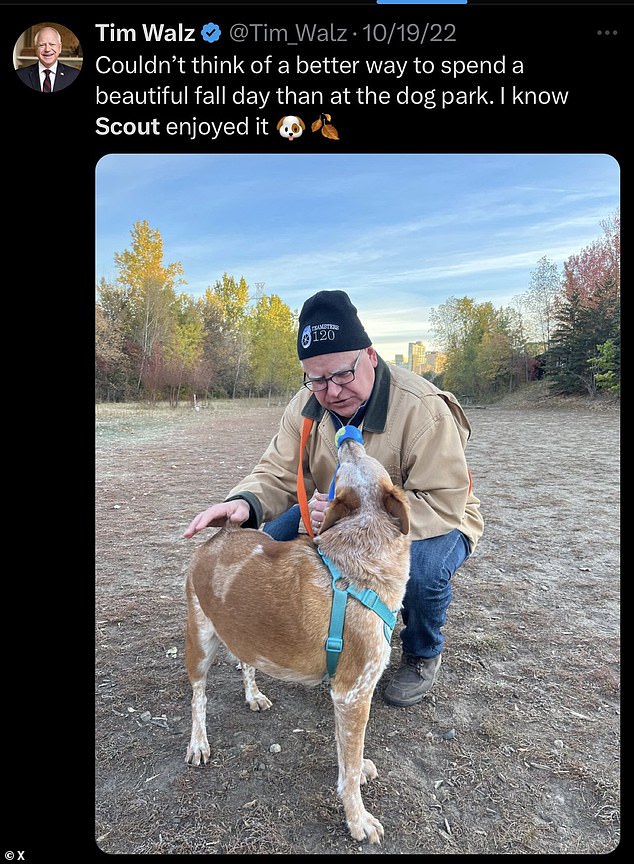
(328, 324)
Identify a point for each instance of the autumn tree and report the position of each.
(606, 366)
(580, 329)
(148, 293)
(184, 350)
(113, 301)
(218, 349)
(232, 300)
(497, 351)
(452, 323)
(588, 317)
(110, 357)
(152, 373)
(521, 362)
(597, 264)
(274, 365)
(225, 310)
(540, 299)
(465, 330)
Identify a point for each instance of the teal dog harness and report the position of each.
(369, 598)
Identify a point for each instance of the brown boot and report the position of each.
(413, 680)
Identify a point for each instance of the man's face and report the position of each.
(343, 399)
(48, 47)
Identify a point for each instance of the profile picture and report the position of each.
(48, 57)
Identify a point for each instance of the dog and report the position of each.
(269, 602)
(291, 127)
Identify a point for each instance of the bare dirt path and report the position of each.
(517, 749)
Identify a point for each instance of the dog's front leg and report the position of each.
(351, 717)
(256, 701)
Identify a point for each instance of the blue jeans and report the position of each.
(428, 595)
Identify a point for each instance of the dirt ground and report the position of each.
(515, 751)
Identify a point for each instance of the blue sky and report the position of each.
(401, 233)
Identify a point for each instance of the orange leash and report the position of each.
(301, 487)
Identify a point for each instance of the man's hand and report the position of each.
(317, 507)
(217, 515)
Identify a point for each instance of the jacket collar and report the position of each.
(376, 411)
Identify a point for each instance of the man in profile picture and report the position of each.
(48, 75)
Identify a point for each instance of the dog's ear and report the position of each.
(342, 505)
(396, 504)
(280, 123)
(301, 122)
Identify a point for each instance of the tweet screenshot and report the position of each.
(344, 279)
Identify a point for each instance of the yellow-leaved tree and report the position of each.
(148, 289)
(225, 309)
(274, 364)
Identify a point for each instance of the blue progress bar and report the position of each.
(422, 2)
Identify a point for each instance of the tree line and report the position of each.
(155, 342)
(564, 328)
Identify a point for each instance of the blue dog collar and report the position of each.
(346, 433)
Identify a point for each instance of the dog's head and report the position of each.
(363, 485)
(291, 127)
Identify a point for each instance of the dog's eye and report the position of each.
(295, 128)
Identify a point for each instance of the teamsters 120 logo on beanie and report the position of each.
(328, 324)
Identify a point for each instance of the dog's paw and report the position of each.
(258, 702)
(368, 772)
(366, 828)
(197, 752)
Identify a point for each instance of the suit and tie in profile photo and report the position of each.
(47, 44)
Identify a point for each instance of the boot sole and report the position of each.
(402, 703)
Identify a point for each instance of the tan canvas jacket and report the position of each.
(415, 430)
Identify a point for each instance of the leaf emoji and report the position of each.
(330, 132)
(316, 125)
(328, 118)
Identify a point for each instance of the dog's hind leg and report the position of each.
(201, 645)
(256, 700)
(368, 772)
(351, 718)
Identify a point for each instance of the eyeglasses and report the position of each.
(339, 378)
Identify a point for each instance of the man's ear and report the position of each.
(343, 504)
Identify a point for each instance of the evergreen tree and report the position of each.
(580, 329)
